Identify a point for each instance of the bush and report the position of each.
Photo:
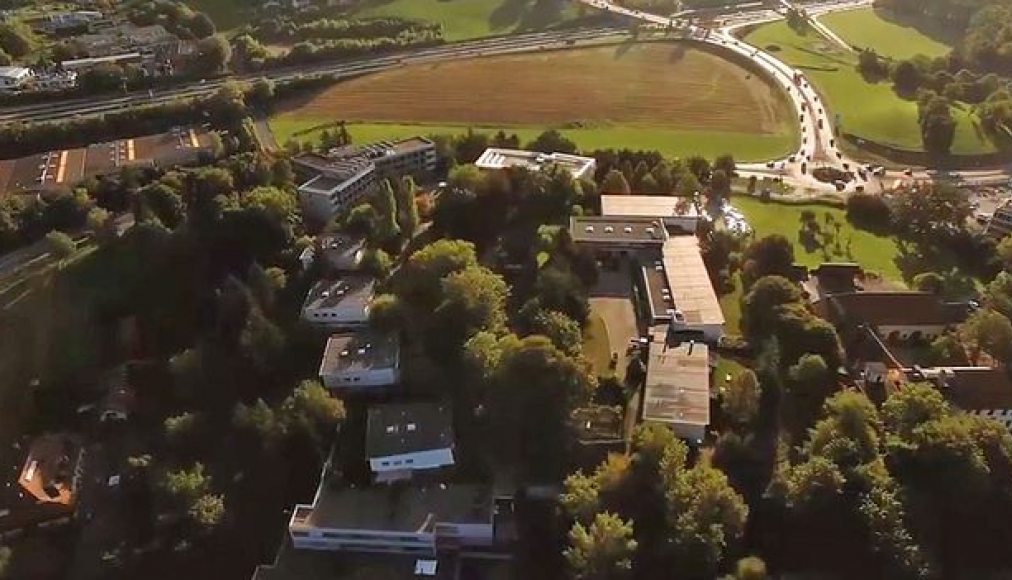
(869, 212)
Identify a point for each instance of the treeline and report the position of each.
(26, 219)
(176, 17)
(327, 28)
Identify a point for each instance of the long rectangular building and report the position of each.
(677, 391)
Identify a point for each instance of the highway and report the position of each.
(87, 107)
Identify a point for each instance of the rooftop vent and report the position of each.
(589, 229)
(412, 427)
(608, 229)
(627, 229)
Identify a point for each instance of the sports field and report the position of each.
(653, 95)
(869, 110)
(884, 32)
(462, 19)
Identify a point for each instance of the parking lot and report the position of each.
(62, 169)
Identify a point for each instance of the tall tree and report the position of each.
(603, 550)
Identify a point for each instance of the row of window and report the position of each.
(396, 463)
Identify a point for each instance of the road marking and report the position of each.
(61, 168)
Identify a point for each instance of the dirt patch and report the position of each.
(650, 85)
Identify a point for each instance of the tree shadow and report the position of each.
(935, 31)
(624, 47)
(526, 14)
(508, 14)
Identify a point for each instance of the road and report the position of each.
(88, 107)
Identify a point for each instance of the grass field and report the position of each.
(887, 35)
(645, 96)
(463, 19)
(876, 253)
(869, 110)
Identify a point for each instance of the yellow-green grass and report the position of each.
(730, 305)
(464, 19)
(878, 29)
(662, 96)
(875, 253)
(596, 345)
(867, 110)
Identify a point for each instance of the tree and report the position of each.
(386, 313)
(906, 77)
(16, 39)
(201, 26)
(551, 141)
(185, 486)
(5, 60)
(741, 398)
(207, 511)
(911, 407)
(161, 202)
(814, 486)
(1004, 251)
(178, 428)
(772, 255)
(376, 262)
(603, 550)
(849, 435)
(988, 331)
(213, 54)
(581, 498)
(386, 211)
(615, 183)
(311, 410)
(946, 350)
(407, 209)
(726, 164)
(938, 127)
(931, 282)
(474, 300)
(750, 568)
(563, 331)
(419, 282)
(928, 207)
(998, 294)
(760, 310)
(720, 184)
(60, 245)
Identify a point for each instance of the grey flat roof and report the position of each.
(620, 230)
(397, 508)
(400, 428)
(689, 282)
(656, 206)
(330, 293)
(496, 158)
(678, 384)
(359, 351)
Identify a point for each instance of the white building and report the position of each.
(677, 391)
(495, 158)
(402, 438)
(55, 81)
(14, 79)
(341, 303)
(360, 360)
(403, 520)
(677, 213)
(344, 175)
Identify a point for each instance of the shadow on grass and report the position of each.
(945, 34)
(523, 15)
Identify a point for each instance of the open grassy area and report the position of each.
(463, 19)
(661, 96)
(226, 14)
(884, 32)
(596, 347)
(876, 253)
(868, 110)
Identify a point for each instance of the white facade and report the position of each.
(928, 332)
(324, 196)
(429, 459)
(341, 315)
(14, 79)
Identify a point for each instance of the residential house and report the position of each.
(340, 303)
(403, 438)
(360, 360)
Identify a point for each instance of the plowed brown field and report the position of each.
(660, 85)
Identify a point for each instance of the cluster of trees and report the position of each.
(16, 41)
(26, 219)
(224, 109)
(284, 30)
(328, 39)
(648, 173)
(648, 513)
(176, 17)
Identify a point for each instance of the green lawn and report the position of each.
(596, 346)
(463, 19)
(874, 252)
(670, 142)
(730, 305)
(227, 15)
(877, 29)
(869, 110)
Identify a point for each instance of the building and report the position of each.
(341, 303)
(46, 490)
(57, 80)
(152, 42)
(360, 360)
(86, 64)
(982, 391)
(679, 214)
(337, 180)
(495, 158)
(60, 22)
(677, 391)
(420, 520)
(672, 274)
(338, 252)
(14, 79)
(1000, 224)
(895, 316)
(402, 438)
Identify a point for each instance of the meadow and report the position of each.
(661, 96)
(869, 110)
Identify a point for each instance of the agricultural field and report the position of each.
(464, 19)
(869, 110)
(888, 35)
(647, 96)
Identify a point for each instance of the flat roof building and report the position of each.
(340, 303)
(618, 233)
(677, 213)
(402, 438)
(495, 158)
(677, 391)
(360, 360)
